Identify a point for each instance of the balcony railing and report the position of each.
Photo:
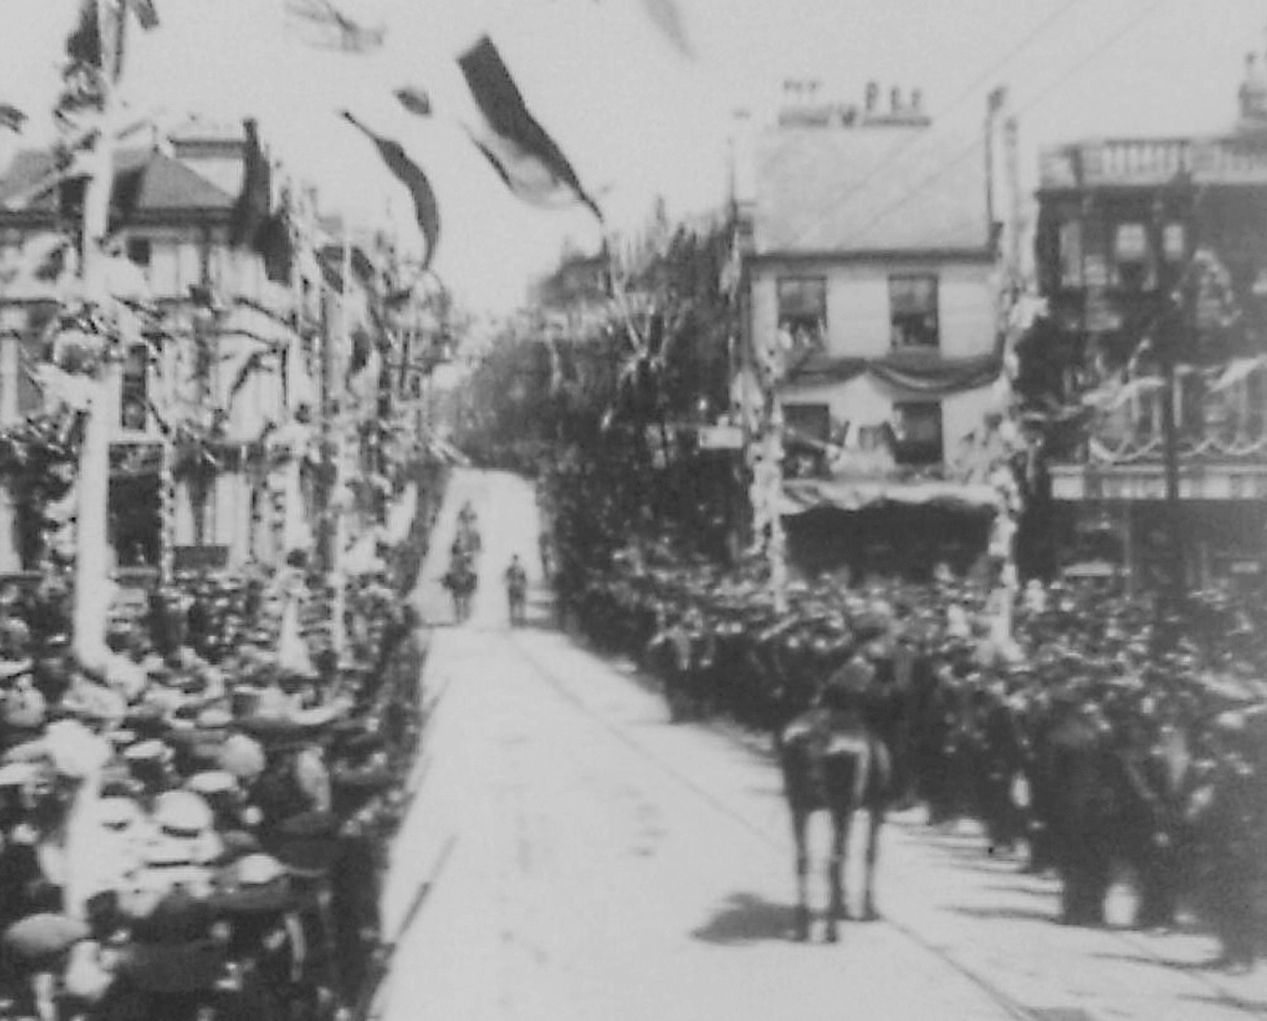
(1146, 162)
(1221, 418)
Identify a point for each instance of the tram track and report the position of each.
(1009, 1004)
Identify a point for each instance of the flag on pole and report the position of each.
(255, 199)
(323, 24)
(996, 100)
(523, 154)
(426, 211)
(12, 118)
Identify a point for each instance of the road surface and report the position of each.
(590, 860)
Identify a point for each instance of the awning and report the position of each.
(801, 495)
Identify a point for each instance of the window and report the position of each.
(803, 311)
(139, 251)
(1133, 255)
(917, 433)
(1174, 242)
(810, 420)
(1070, 242)
(1130, 243)
(134, 389)
(913, 310)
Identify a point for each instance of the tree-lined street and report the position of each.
(607, 863)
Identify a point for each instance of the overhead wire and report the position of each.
(972, 147)
(969, 90)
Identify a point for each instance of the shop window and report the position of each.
(1070, 242)
(913, 317)
(917, 433)
(134, 389)
(803, 311)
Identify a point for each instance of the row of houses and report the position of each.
(881, 277)
(247, 379)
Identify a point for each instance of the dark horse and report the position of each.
(834, 758)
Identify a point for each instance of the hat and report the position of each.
(214, 718)
(75, 750)
(18, 774)
(242, 756)
(118, 813)
(152, 750)
(24, 708)
(11, 669)
(36, 938)
(182, 814)
(212, 782)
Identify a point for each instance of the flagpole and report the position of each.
(92, 549)
(339, 634)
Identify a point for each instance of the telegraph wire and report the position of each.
(959, 98)
(972, 147)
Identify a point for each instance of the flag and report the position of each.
(254, 202)
(321, 23)
(412, 177)
(522, 153)
(667, 17)
(414, 99)
(996, 100)
(145, 13)
(11, 117)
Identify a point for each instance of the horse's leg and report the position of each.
(874, 822)
(800, 821)
(841, 818)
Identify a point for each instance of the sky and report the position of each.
(638, 119)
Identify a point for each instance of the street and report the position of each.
(588, 859)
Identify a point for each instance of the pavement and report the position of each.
(583, 857)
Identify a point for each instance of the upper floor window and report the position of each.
(917, 433)
(1174, 242)
(1132, 255)
(1070, 243)
(134, 389)
(803, 311)
(140, 251)
(913, 318)
(810, 420)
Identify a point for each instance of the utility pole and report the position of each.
(92, 547)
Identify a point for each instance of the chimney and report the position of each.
(895, 99)
(873, 97)
(917, 101)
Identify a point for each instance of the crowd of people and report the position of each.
(198, 828)
(1106, 731)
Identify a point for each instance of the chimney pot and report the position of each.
(917, 100)
(895, 99)
(873, 96)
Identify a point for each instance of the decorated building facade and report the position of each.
(217, 456)
(1152, 255)
(873, 291)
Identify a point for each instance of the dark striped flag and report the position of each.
(11, 118)
(523, 154)
(426, 210)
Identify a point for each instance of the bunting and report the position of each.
(519, 148)
(323, 24)
(426, 211)
(12, 118)
(667, 17)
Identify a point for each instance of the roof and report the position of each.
(869, 190)
(161, 182)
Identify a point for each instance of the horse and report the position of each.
(834, 758)
(461, 581)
